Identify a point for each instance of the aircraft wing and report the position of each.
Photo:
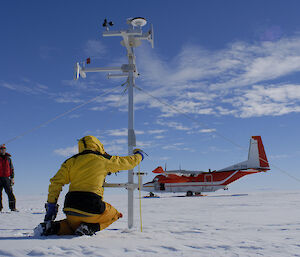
(186, 172)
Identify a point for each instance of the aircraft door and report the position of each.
(208, 178)
(162, 186)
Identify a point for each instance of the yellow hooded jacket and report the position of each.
(86, 171)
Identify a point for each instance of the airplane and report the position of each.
(196, 182)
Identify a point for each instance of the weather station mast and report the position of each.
(132, 37)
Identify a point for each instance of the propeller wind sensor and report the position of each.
(106, 24)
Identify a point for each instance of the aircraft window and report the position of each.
(155, 179)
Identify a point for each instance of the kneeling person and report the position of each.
(86, 212)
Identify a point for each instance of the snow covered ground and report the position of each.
(254, 224)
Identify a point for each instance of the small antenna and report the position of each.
(165, 166)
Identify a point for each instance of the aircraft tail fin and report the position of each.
(261, 157)
(257, 158)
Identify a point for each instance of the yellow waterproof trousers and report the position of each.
(71, 223)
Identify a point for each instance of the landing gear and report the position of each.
(189, 193)
(151, 195)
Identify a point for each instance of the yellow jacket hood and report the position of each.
(90, 143)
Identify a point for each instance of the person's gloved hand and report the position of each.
(12, 181)
(139, 151)
(51, 211)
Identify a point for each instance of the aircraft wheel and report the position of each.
(189, 193)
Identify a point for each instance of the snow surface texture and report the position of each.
(254, 224)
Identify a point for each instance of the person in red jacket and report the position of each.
(6, 178)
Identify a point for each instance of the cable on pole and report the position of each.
(188, 116)
(59, 116)
(215, 132)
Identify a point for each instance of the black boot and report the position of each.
(88, 229)
(12, 205)
(47, 228)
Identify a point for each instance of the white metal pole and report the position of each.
(131, 136)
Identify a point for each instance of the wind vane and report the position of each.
(132, 37)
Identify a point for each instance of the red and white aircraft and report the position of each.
(199, 181)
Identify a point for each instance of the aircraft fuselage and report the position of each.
(204, 182)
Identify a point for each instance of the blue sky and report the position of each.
(231, 65)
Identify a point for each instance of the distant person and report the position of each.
(84, 207)
(7, 178)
